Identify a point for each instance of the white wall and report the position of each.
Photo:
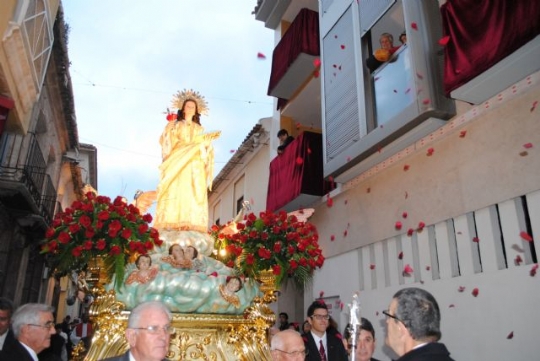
(473, 185)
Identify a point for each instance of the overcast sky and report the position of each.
(128, 59)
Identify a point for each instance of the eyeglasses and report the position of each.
(320, 317)
(155, 330)
(387, 314)
(48, 325)
(302, 353)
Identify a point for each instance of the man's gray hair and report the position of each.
(28, 314)
(419, 312)
(135, 316)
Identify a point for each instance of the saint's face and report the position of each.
(190, 108)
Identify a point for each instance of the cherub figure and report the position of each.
(192, 254)
(228, 291)
(176, 257)
(145, 272)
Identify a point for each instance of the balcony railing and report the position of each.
(296, 175)
(292, 60)
(25, 187)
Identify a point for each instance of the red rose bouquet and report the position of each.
(273, 241)
(96, 227)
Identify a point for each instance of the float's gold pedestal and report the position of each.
(208, 337)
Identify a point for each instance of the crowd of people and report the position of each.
(412, 332)
(29, 333)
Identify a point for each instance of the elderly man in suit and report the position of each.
(413, 326)
(287, 345)
(33, 326)
(322, 342)
(148, 333)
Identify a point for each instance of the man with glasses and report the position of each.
(413, 326)
(33, 326)
(287, 345)
(323, 343)
(148, 333)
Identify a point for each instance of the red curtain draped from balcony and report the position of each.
(289, 178)
(482, 33)
(301, 37)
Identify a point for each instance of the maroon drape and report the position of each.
(301, 37)
(483, 33)
(289, 177)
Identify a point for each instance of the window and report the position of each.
(390, 105)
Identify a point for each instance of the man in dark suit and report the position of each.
(323, 343)
(413, 326)
(148, 333)
(365, 341)
(32, 325)
(6, 311)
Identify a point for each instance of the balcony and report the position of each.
(271, 12)
(292, 60)
(25, 188)
(296, 176)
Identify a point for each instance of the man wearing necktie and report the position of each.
(322, 342)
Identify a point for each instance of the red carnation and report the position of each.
(101, 244)
(115, 250)
(64, 237)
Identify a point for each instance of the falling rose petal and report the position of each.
(372, 266)
(398, 225)
(534, 104)
(461, 288)
(377, 313)
(428, 268)
(395, 90)
(377, 78)
(348, 159)
(444, 40)
(346, 201)
(451, 305)
(298, 125)
(329, 202)
(476, 239)
(345, 232)
(408, 90)
(232, 151)
(213, 274)
(410, 232)
(527, 237)
(400, 255)
(462, 134)
(518, 260)
(335, 36)
(510, 335)
(309, 151)
(533, 270)
(426, 101)
(335, 66)
(414, 26)
(316, 73)
(524, 153)
(299, 161)
(527, 145)
(430, 152)
(407, 270)
(339, 68)
(421, 226)
(317, 62)
(419, 75)
(404, 214)
(459, 232)
(406, 195)
(341, 306)
(332, 238)
(379, 148)
(368, 190)
(261, 56)
(342, 46)
(331, 179)
(475, 292)
(321, 294)
(406, 167)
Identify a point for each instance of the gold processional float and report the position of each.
(177, 261)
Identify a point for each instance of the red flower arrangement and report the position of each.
(97, 227)
(277, 242)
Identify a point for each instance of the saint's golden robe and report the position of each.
(185, 175)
